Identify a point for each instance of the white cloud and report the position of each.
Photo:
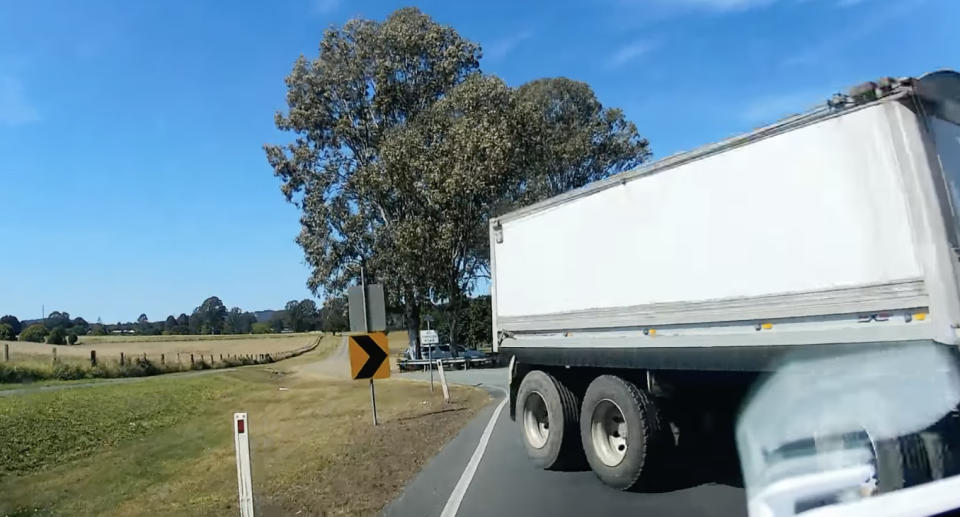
(325, 6)
(15, 109)
(503, 46)
(630, 52)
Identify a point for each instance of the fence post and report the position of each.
(221, 357)
(178, 357)
(6, 352)
(163, 360)
(144, 356)
(54, 355)
(93, 358)
(211, 359)
(191, 360)
(121, 358)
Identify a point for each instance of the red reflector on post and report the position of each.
(240, 426)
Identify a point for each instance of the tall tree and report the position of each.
(238, 322)
(15, 325)
(369, 80)
(469, 151)
(57, 319)
(170, 324)
(300, 316)
(333, 315)
(143, 325)
(183, 321)
(576, 140)
(211, 314)
(79, 326)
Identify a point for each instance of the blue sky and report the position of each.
(131, 172)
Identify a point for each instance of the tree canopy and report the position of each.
(404, 150)
(14, 323)
(209, 316)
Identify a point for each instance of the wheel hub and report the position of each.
(608, 433)
(536, 423)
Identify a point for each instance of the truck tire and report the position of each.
(548, 413)
(622, 432)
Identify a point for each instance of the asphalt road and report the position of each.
(505, 483)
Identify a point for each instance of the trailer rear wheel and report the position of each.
(622, 432)
(549, 414)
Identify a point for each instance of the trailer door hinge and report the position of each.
(498, 232)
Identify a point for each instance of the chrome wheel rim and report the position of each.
(608, 433)
(536, 422)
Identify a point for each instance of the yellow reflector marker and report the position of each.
(766, 326)
(920, 316)
(653, 332)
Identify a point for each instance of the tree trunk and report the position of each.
(411, 316)
(453, 319)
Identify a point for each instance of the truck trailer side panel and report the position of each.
(767, 218)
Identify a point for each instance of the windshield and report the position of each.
(445, 258)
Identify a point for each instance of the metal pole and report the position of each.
(373, 402)
(430, 358)
(366, 329)
(363, 297)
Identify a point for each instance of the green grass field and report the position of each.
(164, 445)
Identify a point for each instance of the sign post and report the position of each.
(367, 313)
(241, 433)
(369, 360)
(429, 337)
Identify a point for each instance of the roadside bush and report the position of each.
(72, 339)
(6, 332)
(35, 333)
(57, 336)
(70, 371)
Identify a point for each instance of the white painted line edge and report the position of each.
(460, 490)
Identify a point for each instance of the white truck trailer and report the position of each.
(639, 310)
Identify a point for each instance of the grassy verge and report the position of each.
(164, 446)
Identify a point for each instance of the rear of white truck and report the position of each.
(641, 309)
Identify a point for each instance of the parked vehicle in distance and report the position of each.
(639, 311)
(468, 353)
(454, 355)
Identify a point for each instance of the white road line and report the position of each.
(456, 497)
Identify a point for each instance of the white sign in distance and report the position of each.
(429, 337)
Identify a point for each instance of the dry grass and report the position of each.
(109, 347)
(315, 451)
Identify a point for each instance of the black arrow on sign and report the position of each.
(375, 359)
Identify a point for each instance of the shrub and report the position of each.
(57, 336)
(35, 333)
(70, 372)
(6, 332)
(72, 339)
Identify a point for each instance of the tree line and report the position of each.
(403, 150)
(210, 317)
